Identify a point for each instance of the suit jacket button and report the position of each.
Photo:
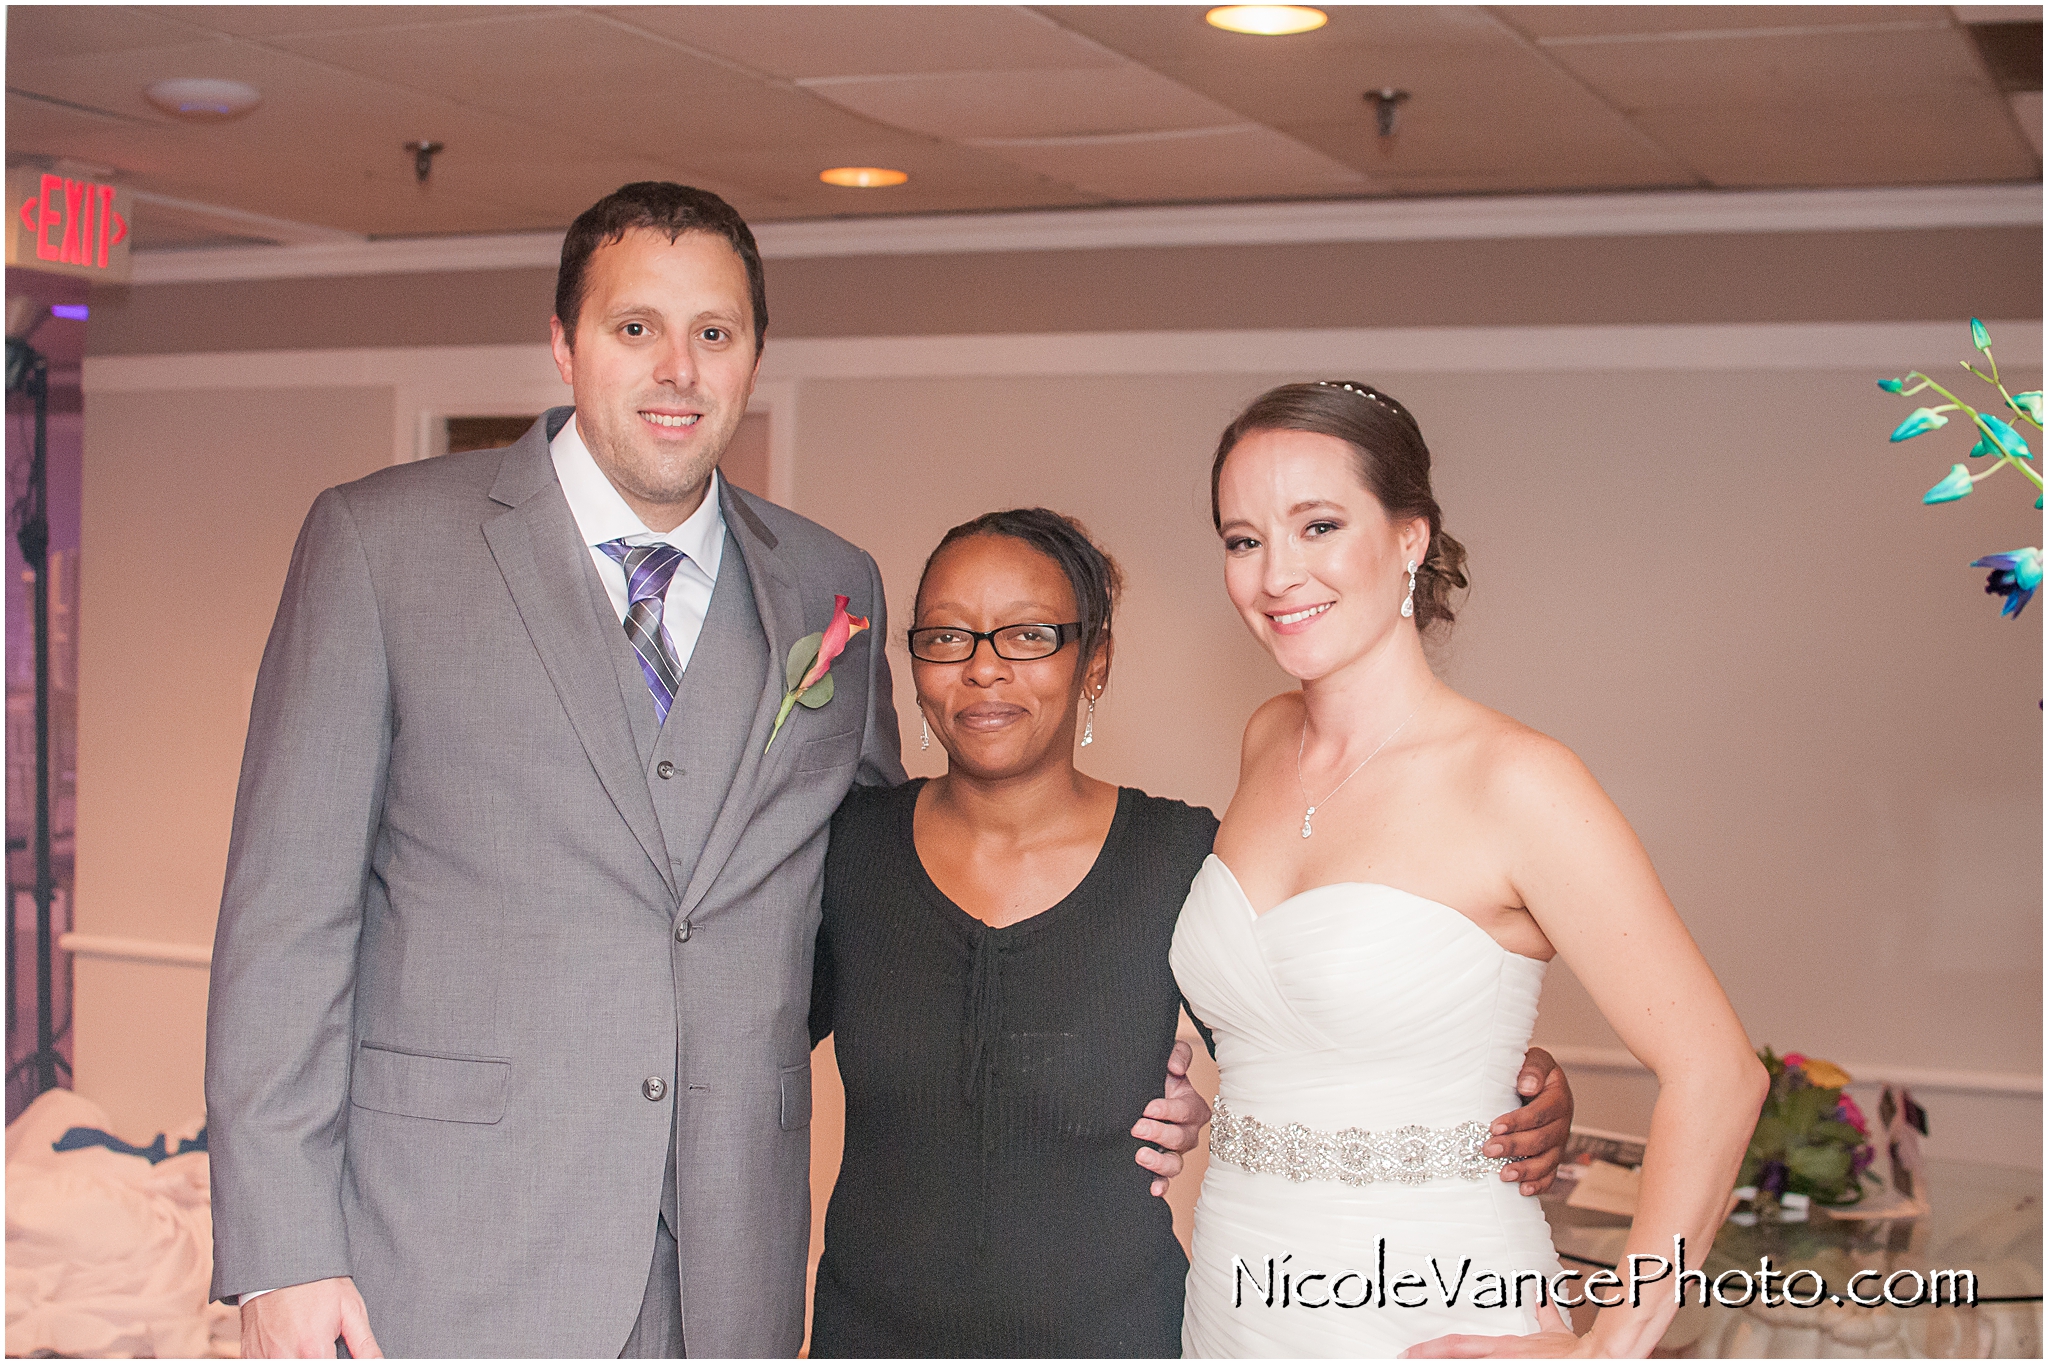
(664, 769)
(683, 931)
(653, 1087)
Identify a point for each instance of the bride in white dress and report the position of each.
(1369, 940)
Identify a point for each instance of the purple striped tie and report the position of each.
(648, 569)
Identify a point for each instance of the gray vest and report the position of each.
(702, 745)
(691, 760)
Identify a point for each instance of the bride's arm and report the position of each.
(1589, 884)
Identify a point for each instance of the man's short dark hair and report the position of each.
(660, 207)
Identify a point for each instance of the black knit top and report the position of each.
(988, 1202)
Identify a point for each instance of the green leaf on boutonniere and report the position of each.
(802, 655)
(819, 693)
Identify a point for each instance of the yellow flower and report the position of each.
(1825, 1074)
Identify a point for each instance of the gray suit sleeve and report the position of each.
(881, 750)
(278, 1019)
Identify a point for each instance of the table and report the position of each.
(1985, 1219)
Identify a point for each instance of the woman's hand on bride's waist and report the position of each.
(1533, 1136)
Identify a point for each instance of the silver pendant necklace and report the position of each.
(1315, 805)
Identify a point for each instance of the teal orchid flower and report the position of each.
(1979, 337)
(2028, 405)
(2014, 576)
(1923, 419)
(1956, 486)
(1892, 385)
(2008, 441)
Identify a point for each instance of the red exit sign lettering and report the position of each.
(67, 226)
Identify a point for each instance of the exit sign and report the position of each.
(67, 226)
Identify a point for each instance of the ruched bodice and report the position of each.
(1348, 1006)
(1355, 1004)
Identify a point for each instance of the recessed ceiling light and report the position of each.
(1268, 21)
(863, 177)
(206, 101)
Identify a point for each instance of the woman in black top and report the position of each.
(993, 960)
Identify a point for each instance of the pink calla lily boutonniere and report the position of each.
(808, 673)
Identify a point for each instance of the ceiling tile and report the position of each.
(40, 32)
(1580, 21)
(1168, 33)
(1967, 136)
(872, 40)
(1803, 68)
(261, 21)
(1123, 99)
(1232, 163)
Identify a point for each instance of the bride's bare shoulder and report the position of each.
(1279, 718)
(1521, 769)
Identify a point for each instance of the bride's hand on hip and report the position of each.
(1533, 1136)
(1552, 1340)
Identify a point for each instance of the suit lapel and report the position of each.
(549, 574)
(778, 597)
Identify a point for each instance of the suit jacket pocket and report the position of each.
(418, 1085)
(829, 752)
(796, 1096)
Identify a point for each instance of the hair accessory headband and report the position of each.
(1361, 390)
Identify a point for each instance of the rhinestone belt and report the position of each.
(1404, 1155)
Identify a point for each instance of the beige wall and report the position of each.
(192, 502)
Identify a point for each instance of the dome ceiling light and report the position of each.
(1267, 21)
(863, 177)
(204, 101)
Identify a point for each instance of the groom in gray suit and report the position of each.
(506, 1047)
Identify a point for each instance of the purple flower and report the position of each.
(2014, 576)
(1771, 1179)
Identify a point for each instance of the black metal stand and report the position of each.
(30, 373)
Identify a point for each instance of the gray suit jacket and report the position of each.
(466, 921)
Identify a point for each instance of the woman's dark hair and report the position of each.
(1393, 464)
(1097, 582)
(658, 206)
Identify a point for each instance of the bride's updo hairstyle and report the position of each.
(1392, 462)
(1097, 582)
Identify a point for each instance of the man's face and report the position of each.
(662, 367)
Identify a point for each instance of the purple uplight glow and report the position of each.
(71, 312)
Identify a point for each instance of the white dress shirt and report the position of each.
(601, 515)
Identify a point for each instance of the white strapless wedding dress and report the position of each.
(1355, 1006)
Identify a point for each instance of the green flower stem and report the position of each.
(2003, 460)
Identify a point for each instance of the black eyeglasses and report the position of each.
(1017, 643)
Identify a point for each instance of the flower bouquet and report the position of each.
(1811, 1144)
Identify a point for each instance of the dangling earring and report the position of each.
(925, 727)
(1088, 730)
(1408, 605)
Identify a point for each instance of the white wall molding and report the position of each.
(1655, 213)
(1928, 1079)
(98, 947)
(483, 380)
